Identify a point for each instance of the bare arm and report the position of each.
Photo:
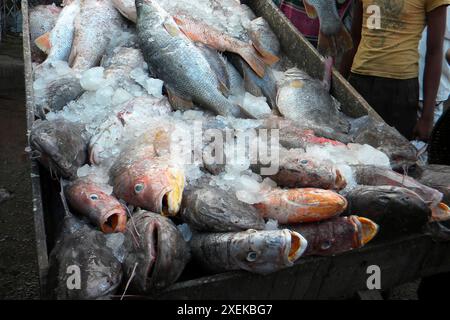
(436, 21)
(347, 59)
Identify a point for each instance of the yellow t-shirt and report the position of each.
(389, 49)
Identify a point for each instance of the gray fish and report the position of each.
(264, 40)
(156, 251)
(436, 177)
(379, 176)
(95, 25)
(254, 251)
(385, 138)
(208, 208)
(60, 146)
(42, 20)
(395, 209)
(177, 61)
(303, 99)
(84, 250)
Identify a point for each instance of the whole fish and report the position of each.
(59, 145)
(82, 251)
(208, 208)
(92, 200)
(301, 98)
(337, 235)
(95, 25)
(58, 43)
(264, 40)
(299, 170)
(301, 205)
(144, 177)
(379, 176)
(156, 252)
(177, 61)
(385, 138)
(42, 20)
(395, 209)
(334, 39)
(260, 252)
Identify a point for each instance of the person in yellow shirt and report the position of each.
(384, 64)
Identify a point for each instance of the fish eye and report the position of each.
(304, 161)
(93, 197)
(326, 245)
(251, 256)
(138, 187)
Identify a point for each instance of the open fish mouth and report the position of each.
(296, 245)
(365, 229)
(114, 221)
(440, 213)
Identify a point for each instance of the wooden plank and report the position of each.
(38, 214)
(306, 57)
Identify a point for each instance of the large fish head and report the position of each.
(365, 229)
(91, 200)
(59, 146)
(156, 249)
(267, 251)
(152, 187)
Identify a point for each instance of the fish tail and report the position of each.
(334, 45)
(43, 42)
(267, 57)
(255, 61)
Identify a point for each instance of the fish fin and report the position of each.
(267, 57)
(254, 60)
(177, 102)
(223, 88)
(43, 42)
(334, 45)
(310, 10)
(72, 56)
(172, 29)
(328, 71)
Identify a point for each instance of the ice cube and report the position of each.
(121, 96)
(104, 95)
(92, 79)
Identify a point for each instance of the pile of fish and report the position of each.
(149, 111)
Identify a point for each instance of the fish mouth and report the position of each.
(115, 221)
(340, 181)
(171, 200)
(365, 229)
(440, 213)
(297, 246)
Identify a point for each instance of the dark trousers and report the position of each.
(395, 100)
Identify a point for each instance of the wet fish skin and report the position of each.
(58, 43)
(86, 248)
(143, 176)
(396, 210)
(176, 60)
(386, 139)
(157, 248)
(298, 170)
(95, 25)
(378, 176)
(89, 199)
(301, 98)
(207, 208)
(337, 235)
(301, 205)
(60, 145)
(264, 40)
(260, 252)
(434, 176)
(42, 20)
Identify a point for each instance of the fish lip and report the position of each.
(120, 222)
(289, 259)
(364, 234)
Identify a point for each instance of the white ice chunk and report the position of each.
(92, 79)
(256, 107)
(104, 95)
(121, 96)
(271, 224)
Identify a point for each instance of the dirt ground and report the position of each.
(18, 262)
